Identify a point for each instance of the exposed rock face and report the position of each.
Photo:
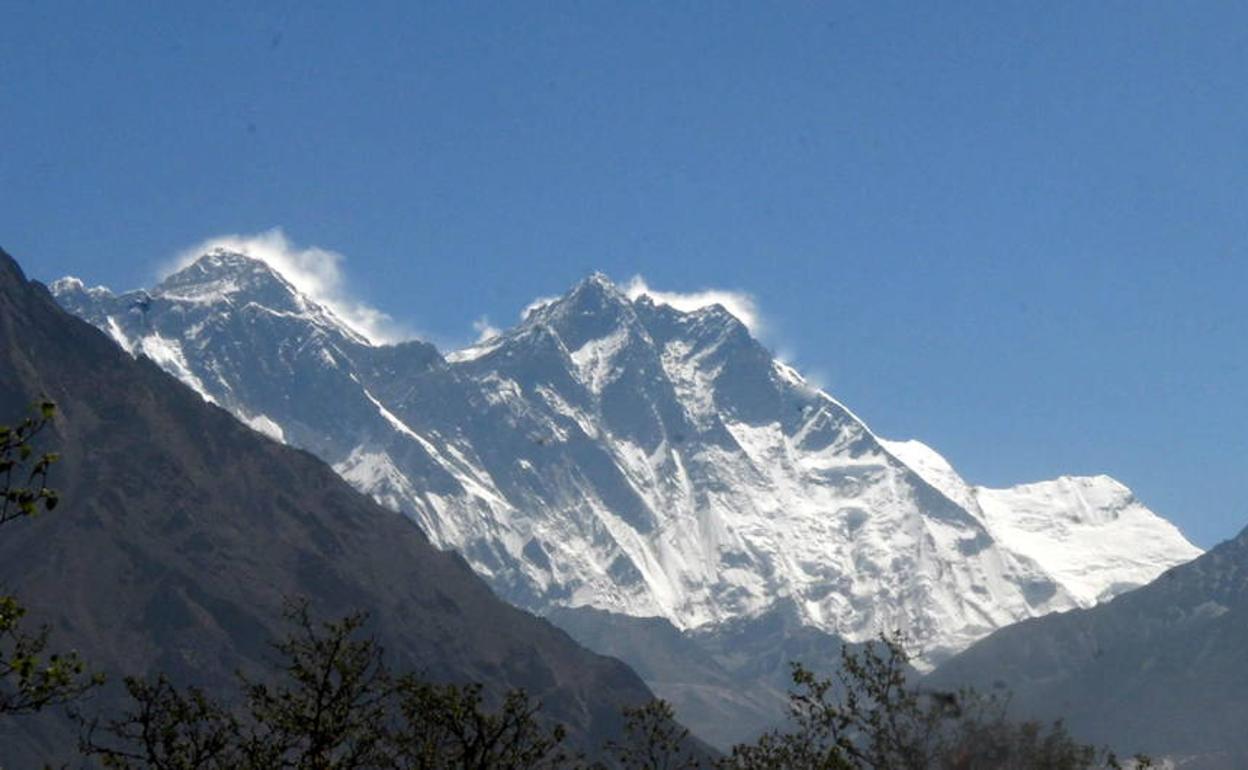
(181, 531)
(619, 454)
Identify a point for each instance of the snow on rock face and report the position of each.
(262, 424)
(934, 468)
(595, 360)
(623, 454)
(1090, 533)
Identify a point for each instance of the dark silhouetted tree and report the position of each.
(447, 726)
(654, 740)
(871, 717)
(332, 705)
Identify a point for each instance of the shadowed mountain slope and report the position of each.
(729, 683)
(1162, 669)
(182, 530)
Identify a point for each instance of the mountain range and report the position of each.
(613, 459)
(182, 532)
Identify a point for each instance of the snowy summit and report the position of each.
(614, 451)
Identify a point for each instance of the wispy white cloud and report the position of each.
(536, 304)
(314, 271)
(484, 329)
(741, 304)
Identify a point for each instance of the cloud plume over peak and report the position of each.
(314, 271)
(739, 303)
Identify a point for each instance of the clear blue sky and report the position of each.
(1016, 231)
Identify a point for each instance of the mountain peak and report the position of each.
(592, 309)
(10, 271)
(70, 285)
(227, 276)
(589, 296)
(598, 296)
(598, 278)
(598, 287)
(222, 272)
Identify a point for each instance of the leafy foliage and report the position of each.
(169, 730)
(335, 706)
(31, 678)
(870, 717)
(25, 496)
(446, 726)
(654, 740)
(331, 705)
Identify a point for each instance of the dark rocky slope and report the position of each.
(729, 683)
(182, 530)
(1162, 669)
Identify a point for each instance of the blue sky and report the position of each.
(1016, 231)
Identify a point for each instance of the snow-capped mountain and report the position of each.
(625, 455)
(1089, 532)
(1161, 670)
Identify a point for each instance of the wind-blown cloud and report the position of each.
(739, 303)
(314, 271)
(536, 304)
(484, 329)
